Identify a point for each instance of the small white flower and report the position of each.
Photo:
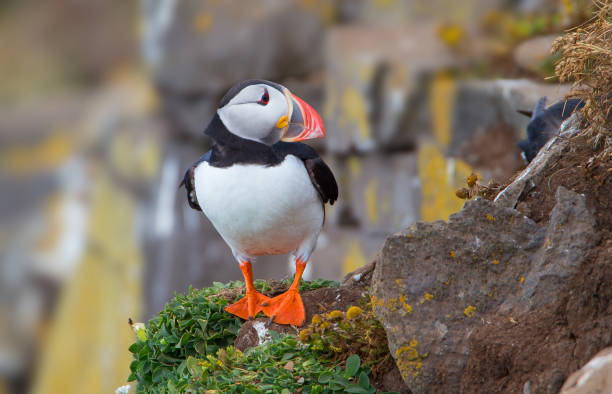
(123, 389)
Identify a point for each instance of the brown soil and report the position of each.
(494, 153)
(579, 171)
(539, 350)
(546, 346)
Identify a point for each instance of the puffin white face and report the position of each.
(268, 113)
(253, 113)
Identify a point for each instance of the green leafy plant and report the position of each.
(353, 379)
(190, 324)
(307, 285)
(282, 366)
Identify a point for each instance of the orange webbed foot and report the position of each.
(286, 308)
(248, 307)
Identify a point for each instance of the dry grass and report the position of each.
(586, 61)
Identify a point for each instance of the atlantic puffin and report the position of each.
(544, 124)
(263, 190)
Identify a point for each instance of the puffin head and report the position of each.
(267, 112)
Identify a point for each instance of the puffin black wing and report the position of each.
(187, 181)
(320, 175)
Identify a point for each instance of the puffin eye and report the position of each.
(265, 98)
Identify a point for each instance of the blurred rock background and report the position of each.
(102, 108)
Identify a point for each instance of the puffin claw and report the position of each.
(242, 308)
(286, 308)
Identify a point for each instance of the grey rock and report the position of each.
(524, 94)
(530, 54)
(595, 377)
(483, 105)
(527, 387)
(435, 283)
(378, 86)
(569, 237)
(479, 106)
(372, 75)
(382, 191)
(400, 12)
(537, 6)
(459, 263)
(341, 250)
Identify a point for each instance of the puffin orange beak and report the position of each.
(304, 122)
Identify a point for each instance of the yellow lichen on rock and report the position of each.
(469, 311)
(371, 200)
(202, 22)
(442, 102)
(407, 352)
(408, 359)
(440, 176)
(354, 258)
(354, 105)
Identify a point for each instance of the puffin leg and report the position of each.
(288, 308)
(247, 307)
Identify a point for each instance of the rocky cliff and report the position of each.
(511, 294)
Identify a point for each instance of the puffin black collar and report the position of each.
(229, 149)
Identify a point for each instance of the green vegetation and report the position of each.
(305, 285)
(188, 347)
(282, 366)
(192, 324)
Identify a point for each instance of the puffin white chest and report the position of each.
(260, 210)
